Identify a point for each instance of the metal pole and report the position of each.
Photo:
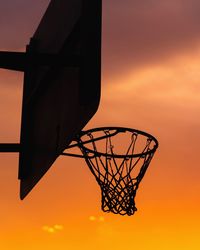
(20, 61)
(9, 147)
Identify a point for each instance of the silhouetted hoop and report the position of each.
(118, 158)
(110, 132)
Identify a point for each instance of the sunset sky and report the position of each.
(151, 82)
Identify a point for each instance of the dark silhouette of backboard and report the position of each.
(61, 84)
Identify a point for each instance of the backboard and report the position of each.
(62, 93)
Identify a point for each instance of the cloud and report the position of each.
(92, 218)
(96, 219)
(134, 32)
(48, 229)
(137, 33)
(53, 229)
(58, 227)
(160, 99)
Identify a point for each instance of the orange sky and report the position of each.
(150, 81)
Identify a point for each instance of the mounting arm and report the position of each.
(20, 61)
(9, 147)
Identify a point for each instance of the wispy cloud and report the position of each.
(96, 218)
(138, 33)
(53, 229)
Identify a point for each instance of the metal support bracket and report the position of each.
(20, 61)
(9, 147)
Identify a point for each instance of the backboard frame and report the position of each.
(81, 47)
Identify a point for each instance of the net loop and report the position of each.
(118, 175)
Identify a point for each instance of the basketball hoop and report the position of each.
(118, 158)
